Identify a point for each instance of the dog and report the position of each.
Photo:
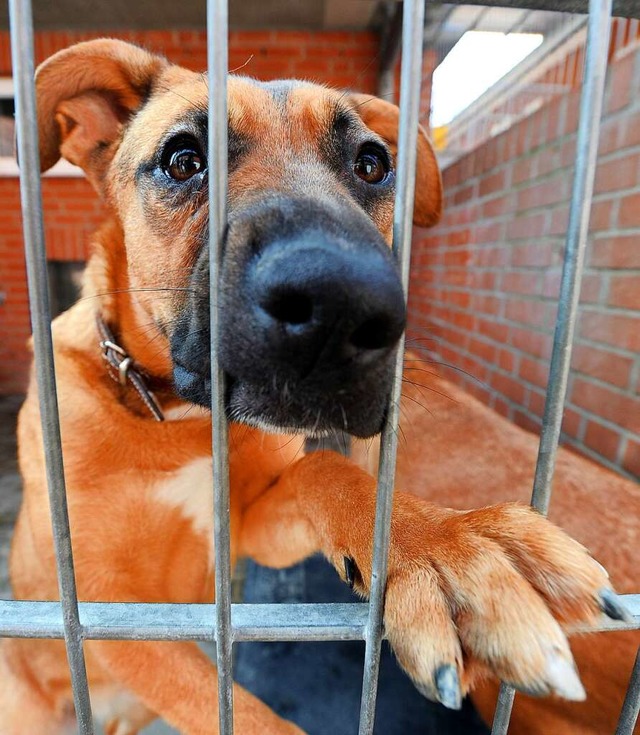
(471, 455)
(311, 309)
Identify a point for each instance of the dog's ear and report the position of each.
(382, 117)
(85, 95)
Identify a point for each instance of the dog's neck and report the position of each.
(128, 326)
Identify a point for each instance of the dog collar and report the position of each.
(122, 369)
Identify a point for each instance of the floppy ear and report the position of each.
(85, 96)
(382, 117)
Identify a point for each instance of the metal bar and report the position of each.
(631, 704)
(21, 24)
(251, 622)
(217, 63)
(621, 8)
(411, 75)
(591, 101)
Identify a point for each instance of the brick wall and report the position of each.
(485, 281)
(72, 211)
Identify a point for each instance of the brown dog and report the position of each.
(312, 310)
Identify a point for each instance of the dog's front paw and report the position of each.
(486, 592)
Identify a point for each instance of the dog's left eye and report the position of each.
(371, 165)
(184, 162)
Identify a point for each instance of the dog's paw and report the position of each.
(489, 591)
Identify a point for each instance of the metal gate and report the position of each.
(225, 623)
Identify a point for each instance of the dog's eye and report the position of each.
(183, 163)
(371, 165)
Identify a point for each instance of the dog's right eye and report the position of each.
(182, 162)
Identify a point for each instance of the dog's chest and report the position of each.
(189, 491)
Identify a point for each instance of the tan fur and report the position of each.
(458, 582)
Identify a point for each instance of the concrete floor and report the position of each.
(316, 685)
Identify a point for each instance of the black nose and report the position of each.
(320, 302)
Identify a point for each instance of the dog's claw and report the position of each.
(563, 678)
(612, 607)
(448, 686)
(350, 571)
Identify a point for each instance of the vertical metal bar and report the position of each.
(217, 62)
(21, 23)
(631, 705)
(591, 101)
(411, 76)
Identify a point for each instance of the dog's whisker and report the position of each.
(242, 66)
(428, 388)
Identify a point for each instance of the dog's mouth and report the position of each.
(279, 405)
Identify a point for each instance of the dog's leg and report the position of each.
(177, 680)
(467, 592)
(26, 709)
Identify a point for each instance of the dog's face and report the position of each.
(311, 304)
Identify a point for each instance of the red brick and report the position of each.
(534, 254)
(506, 360)
(529, 227)
(492, 183)
(619, 173)
(508, 387)
(630, 135)
(463, 194)
(620, 84)
(610, 135)
(602, 439)
(523, 170)
(631, 459)
(534, 371)
(601, 215)
(496, 206)
(629, 215)
(618, 408)
(613, 329)
(533, 343)
(571, 422)
(524, 283)
(624, 291)
(616, 252)
(492, 329)
(500, 405)
(543, 194)
(526, 422)
(527, 312)
(602, 364)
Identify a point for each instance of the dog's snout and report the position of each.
(310, 317)
(321, 302)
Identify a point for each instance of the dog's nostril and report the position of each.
(374, 334)
(290, 307)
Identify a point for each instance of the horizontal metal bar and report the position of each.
(251, 622)
(621, 8)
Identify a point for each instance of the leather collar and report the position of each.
(123, 370)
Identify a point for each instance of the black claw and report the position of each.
(448, 686)
(350, 571)
(612, 607)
